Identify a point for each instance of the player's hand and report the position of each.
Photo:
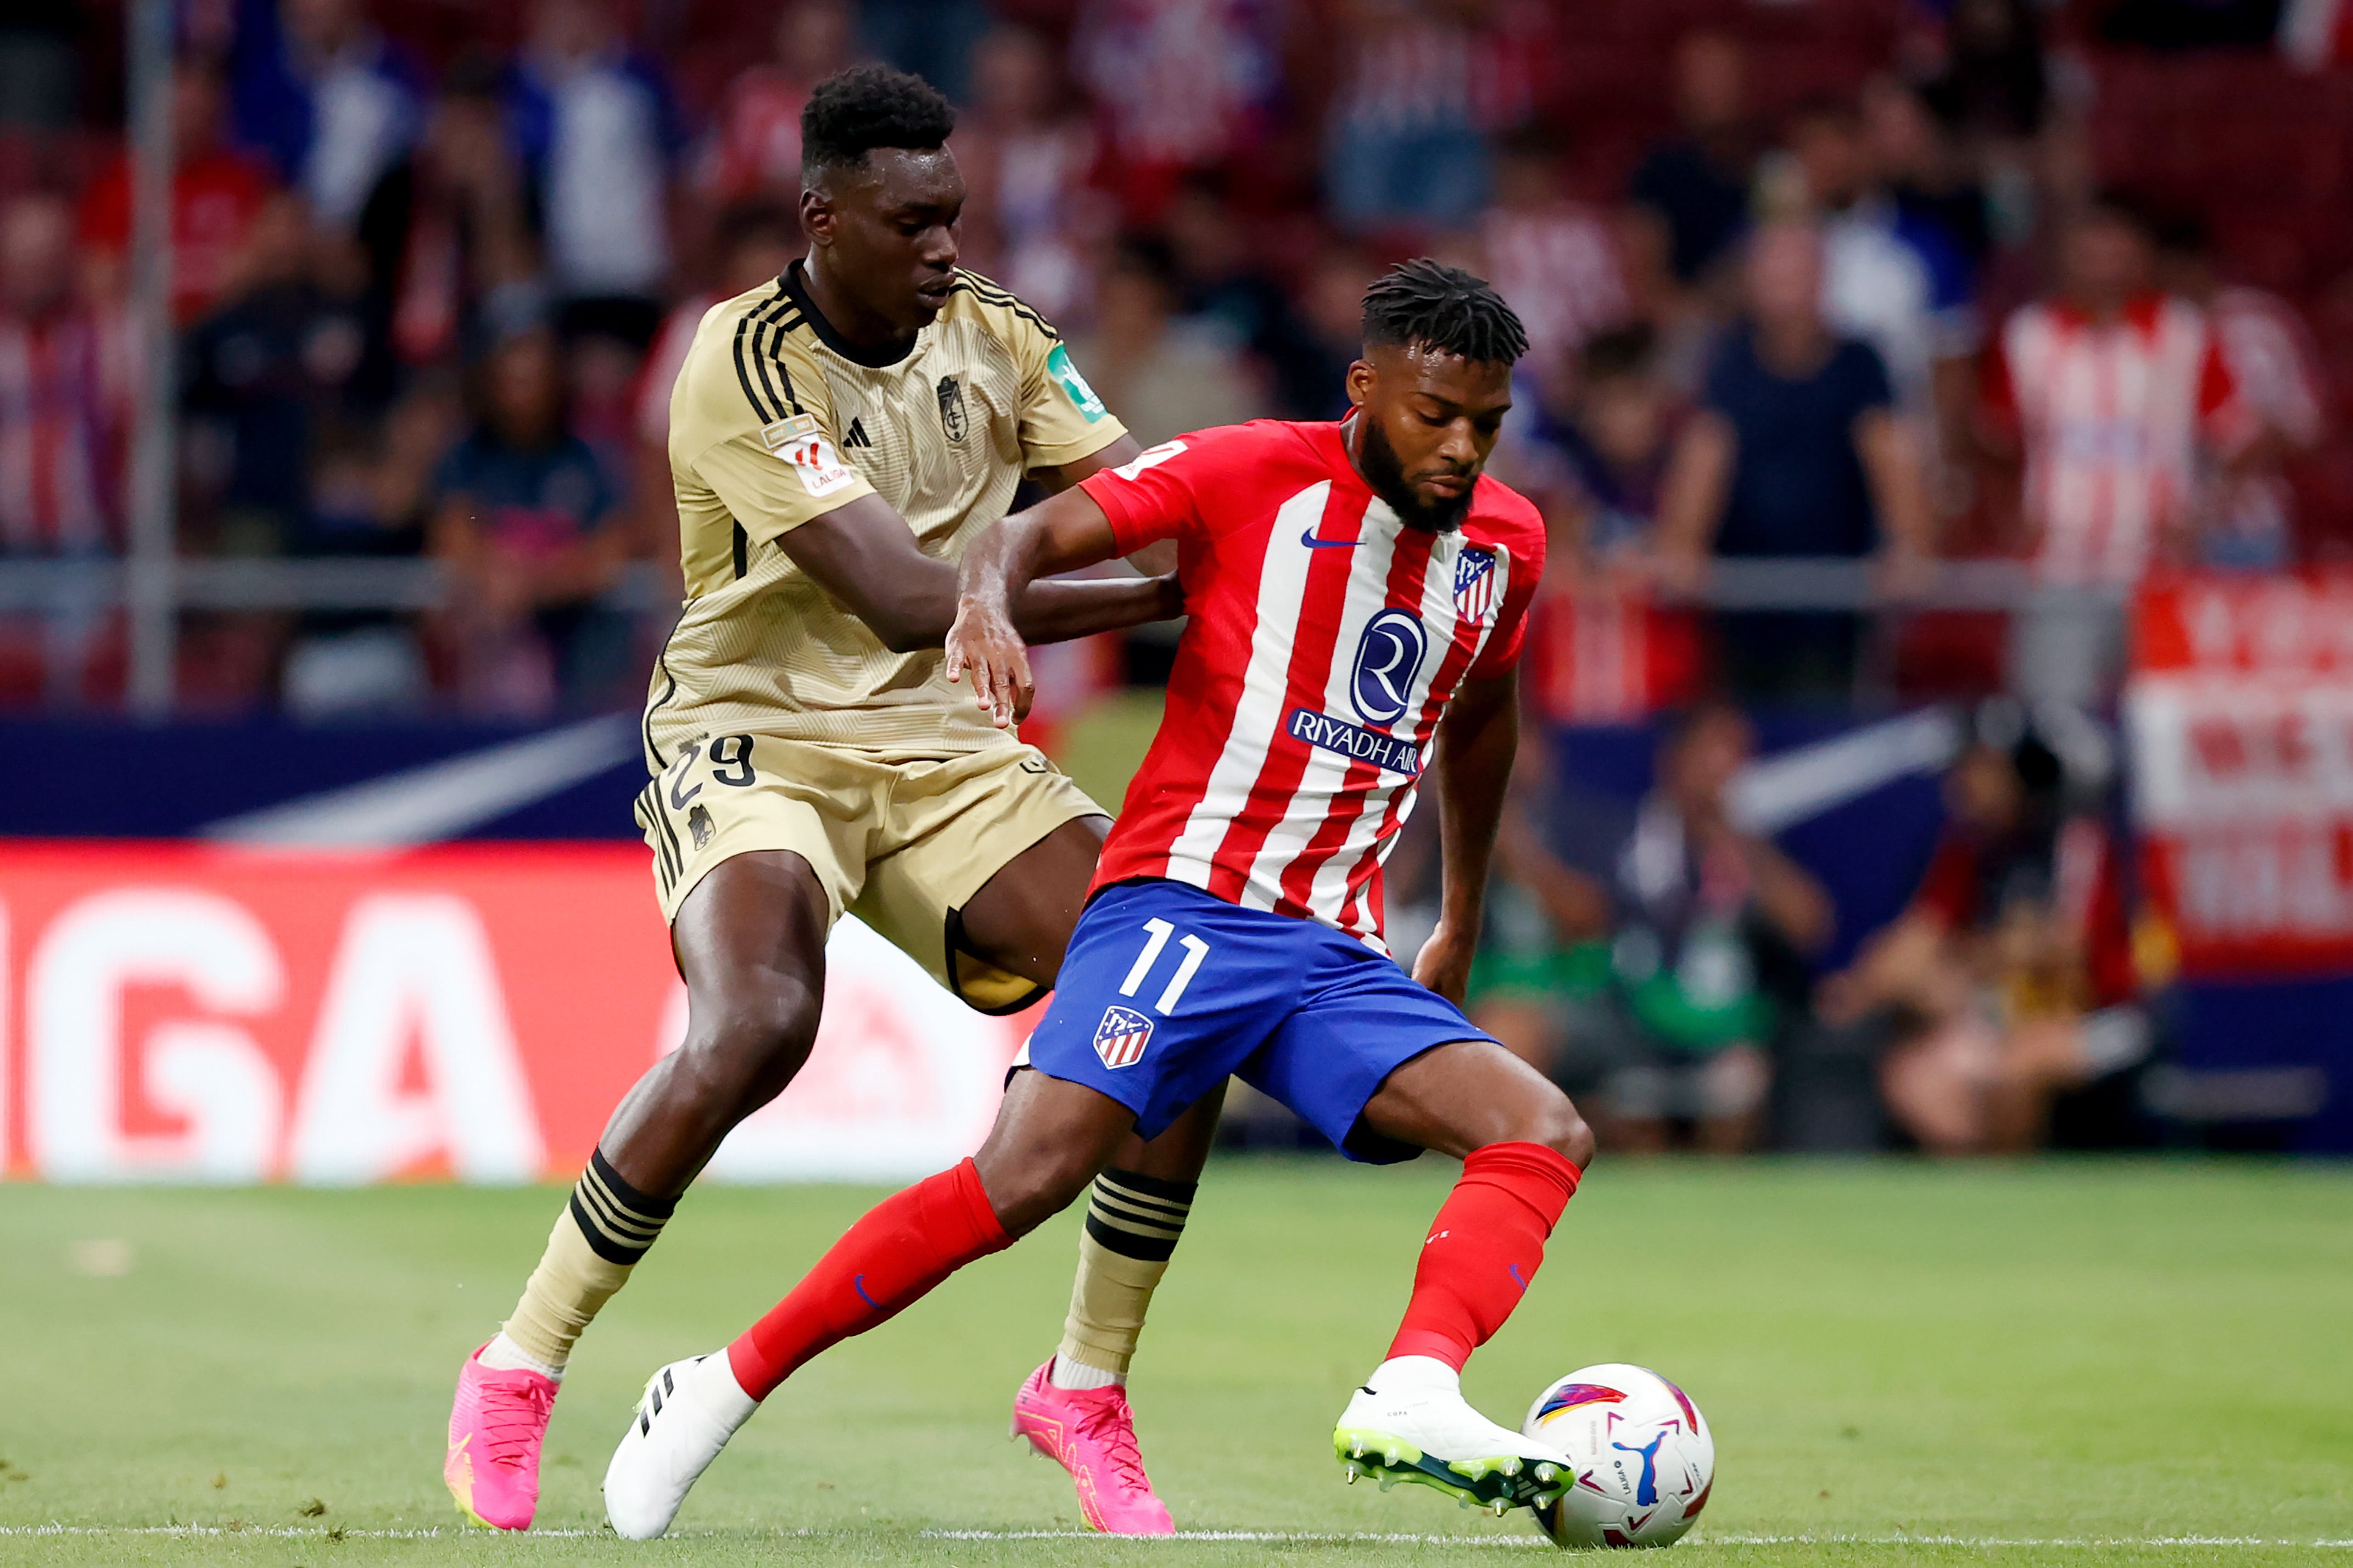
(1444, 963)
(983, 641)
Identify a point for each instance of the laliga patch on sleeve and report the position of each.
(799, 442)
(1074, 386)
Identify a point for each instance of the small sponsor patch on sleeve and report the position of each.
(820, 470)
(784, 432)
(1074, 386)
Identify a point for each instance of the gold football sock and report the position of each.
(598, 1239)
(1133, 1224)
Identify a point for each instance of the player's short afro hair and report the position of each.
(1428, 303)
(856, 110)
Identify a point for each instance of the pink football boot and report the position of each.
(495, 1429)
(1091, 1433)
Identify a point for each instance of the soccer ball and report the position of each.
(1640, 1451)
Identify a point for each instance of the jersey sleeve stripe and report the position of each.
(744, 373)
(989, 295)
(764, 359)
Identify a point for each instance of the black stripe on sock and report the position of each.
(637, 1203)
(1145, 1186)
(598, 1242)
(1149, 1222)
(622, 1228)
(1127, 1243)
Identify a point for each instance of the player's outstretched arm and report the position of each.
(865, 555)
(1476, 742)
(1062, 533)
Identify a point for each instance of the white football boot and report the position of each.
(688, 1411)
(1410, 1423)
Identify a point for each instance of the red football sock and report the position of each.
(887, 1261)
(1483, 1249)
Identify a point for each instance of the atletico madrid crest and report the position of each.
(1474, 584)
(1122, 1035)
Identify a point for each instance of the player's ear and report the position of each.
(1360, 382)
(816, 214)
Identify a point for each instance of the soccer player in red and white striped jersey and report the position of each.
(1356, 594)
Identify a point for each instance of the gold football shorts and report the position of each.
(902, 842)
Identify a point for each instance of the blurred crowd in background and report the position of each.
(2065, 283)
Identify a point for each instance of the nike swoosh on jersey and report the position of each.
(1308, 537)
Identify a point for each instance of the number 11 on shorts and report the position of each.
(1160, 931)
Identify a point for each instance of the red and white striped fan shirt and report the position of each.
(1325, 639)
(2112, 415)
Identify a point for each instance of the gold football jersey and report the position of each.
(776, 420)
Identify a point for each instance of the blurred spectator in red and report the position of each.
(753, 150)
(450, 238)
(281, 355)
(1163, 377)
(595, 130)
(2114, 395)
(1554, 259)
(525, 518)
(63, 390)
(317, 87)
(757, 240)
(1402, 148)
(1181, 85)
(1896, 282)
(1698, 181)
(2011, 980)
(217, 193)
(1026, 153)
(2249, 520)
(1795, 452)
(1700, 917)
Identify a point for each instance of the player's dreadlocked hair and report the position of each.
(856, 110)
(1444, 307)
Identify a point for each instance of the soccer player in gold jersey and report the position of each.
(837, 438)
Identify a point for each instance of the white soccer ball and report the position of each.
(1641, 1452)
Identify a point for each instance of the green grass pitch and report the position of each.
(2078, 1363)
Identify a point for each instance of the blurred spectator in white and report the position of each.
(1895, 282)
(1180, 84)
(63, 392)
(2115, 396)
(1162, 375)
(753, 150)
(757, 240)
(1555, 260)
(1402, 147)
(526, 520)
(318, 88)
(1698, 180)
(595, 128)
(1796, 451)
(281, 355)
(2249, 520)
(216, 193)
(1917, 161)
(450, 238)
(1026, 152)
(2011, 979)
(1700, 917)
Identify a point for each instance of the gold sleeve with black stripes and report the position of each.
(759, 424)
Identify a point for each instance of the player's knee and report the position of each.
(1559, 1128)
(752, 1045)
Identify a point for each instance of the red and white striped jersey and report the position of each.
(1326, 638)
(2112, 415)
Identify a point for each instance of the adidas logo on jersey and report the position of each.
(857, 436)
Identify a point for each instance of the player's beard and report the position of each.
(1379, 462)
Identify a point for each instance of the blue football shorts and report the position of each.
(1166, 990)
